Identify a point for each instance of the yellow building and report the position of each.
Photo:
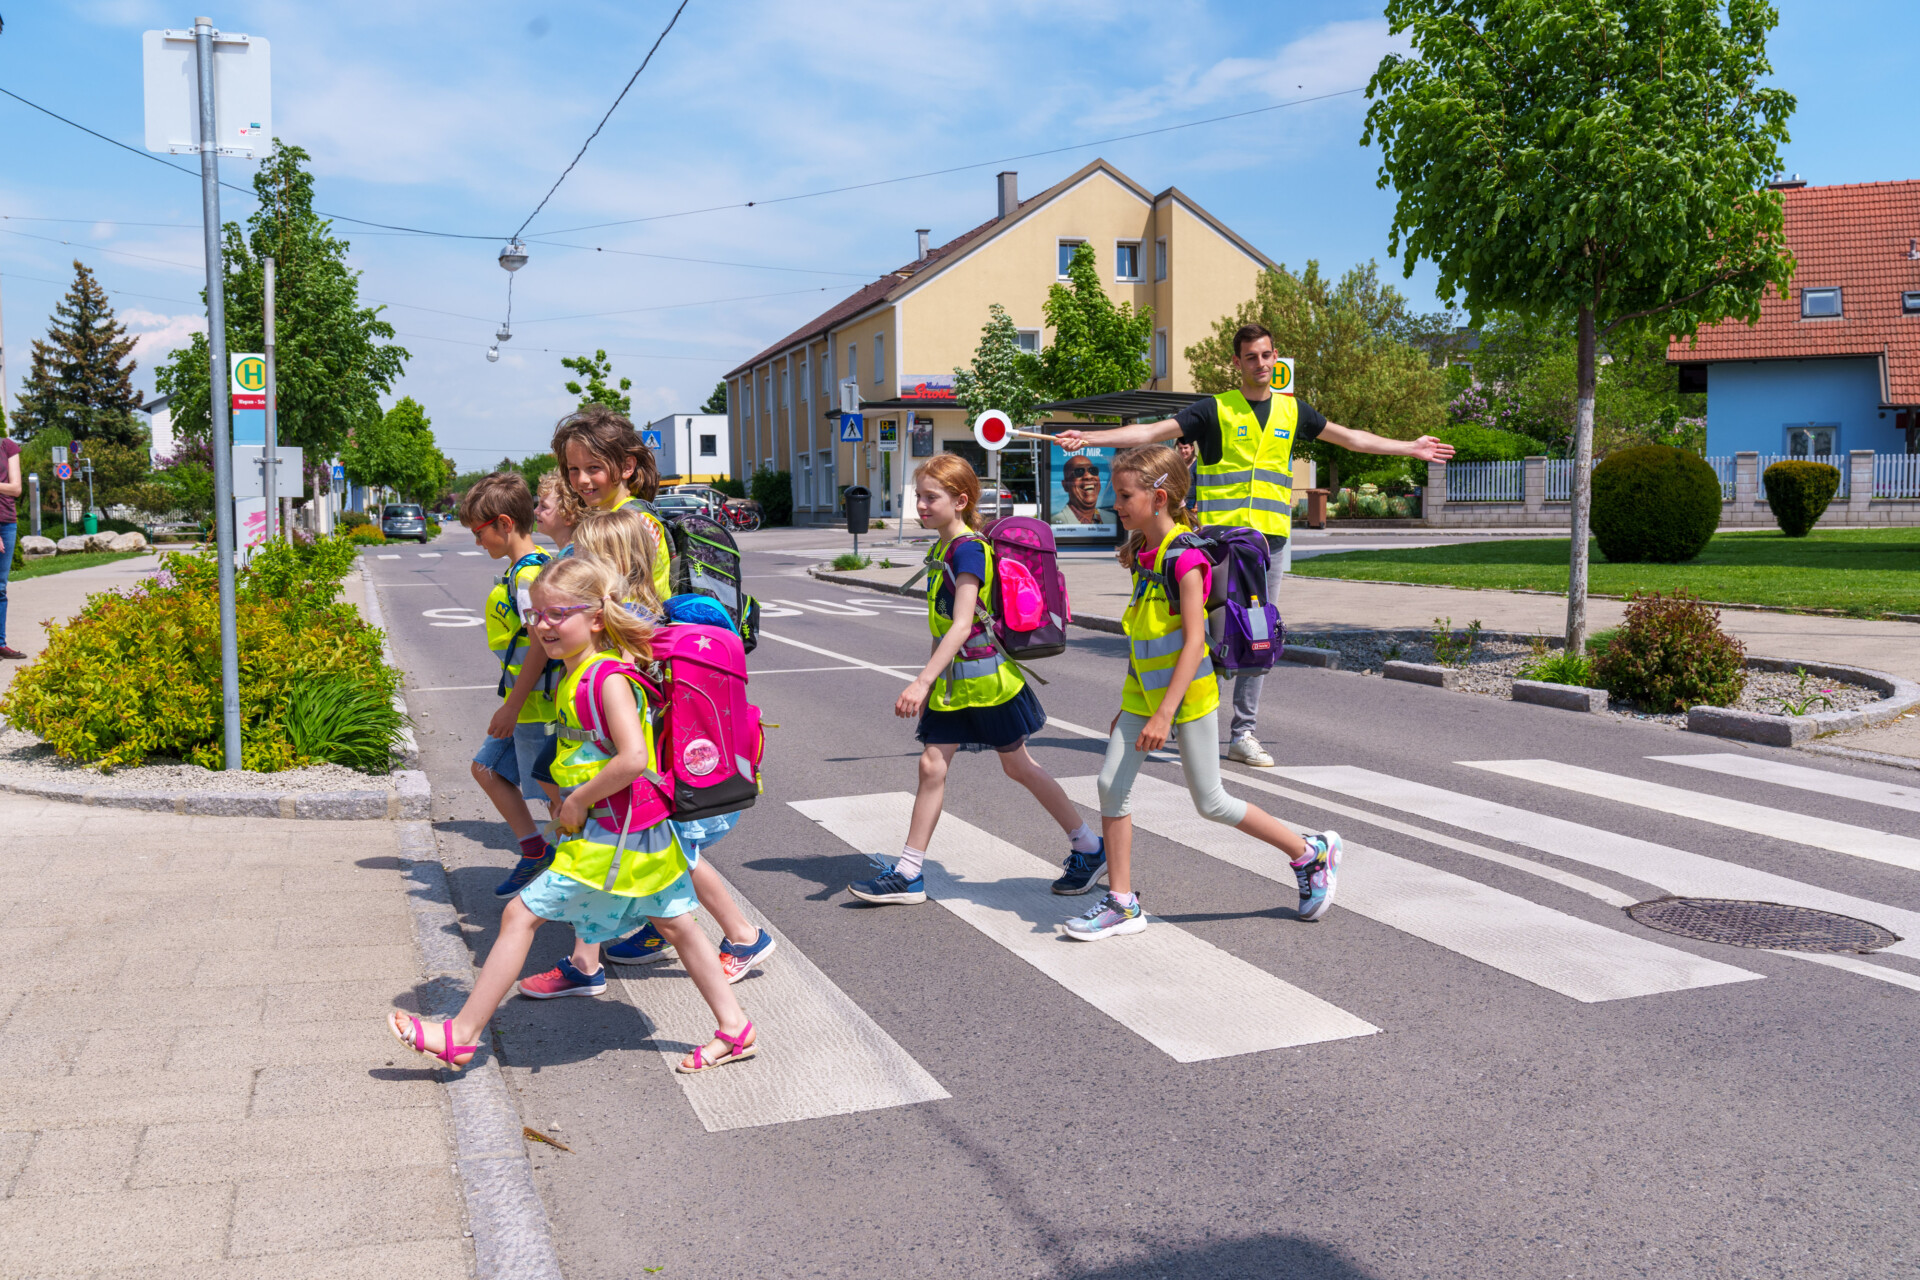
(897, 341)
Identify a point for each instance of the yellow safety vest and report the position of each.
(662, 550)
(643, 861)
(968, 681)
(507, 605)
(1154, 641)
(1252, 484)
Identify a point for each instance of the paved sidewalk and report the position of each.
(197, 1081)
(1331, 604)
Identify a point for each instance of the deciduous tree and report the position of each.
(596, 369)
(1600, 164)
(1001, 375)
(1098, 347)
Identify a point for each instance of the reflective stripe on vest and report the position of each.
(1252, 483)
(1155, 639)
(973, 678)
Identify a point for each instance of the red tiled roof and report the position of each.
(1855, 237)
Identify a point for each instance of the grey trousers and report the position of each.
(1199, 742)
(1246, 684)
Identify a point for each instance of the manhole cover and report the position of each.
(1768, 925)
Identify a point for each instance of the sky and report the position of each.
(458, 117)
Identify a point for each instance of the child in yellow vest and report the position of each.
(1171, 690)
(971, 701)
(604, 881)
(608, 467)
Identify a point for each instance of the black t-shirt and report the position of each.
(1200, 423)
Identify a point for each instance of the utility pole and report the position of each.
(217, 377)
(273, 432)
(5, 411)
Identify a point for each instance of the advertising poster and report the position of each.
(922, 437)
(1080, 496)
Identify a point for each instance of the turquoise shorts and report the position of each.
(598, 916)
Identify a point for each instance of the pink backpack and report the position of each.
(707, 736)
(1029, 599)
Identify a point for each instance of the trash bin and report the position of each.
(92, 523)
(859, 509)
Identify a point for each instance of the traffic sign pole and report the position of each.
(273, 426)
(217, 403)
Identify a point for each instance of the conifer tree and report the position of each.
(81, 379)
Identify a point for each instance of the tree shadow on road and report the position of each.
(1268, 1257)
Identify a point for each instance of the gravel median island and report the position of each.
(24, 758)
(1495, 665)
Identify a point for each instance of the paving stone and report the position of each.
(114, 1053)
(65, 1235)
(363, 901)
(336, 1002)
(336, 1211)
(135, 1011)
(15, 1146)
(358, 1040)
(63, 1102)
(327, 1088)
(38, 1053)
(16, 943)
(349, 931)
(393, 964)
(416, 1260)
(77, 1161)
(289, 1147)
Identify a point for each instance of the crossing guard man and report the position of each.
(1246, 438)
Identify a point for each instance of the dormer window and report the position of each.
(1910, 304)
(1819, 304)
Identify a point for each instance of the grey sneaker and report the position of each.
(1106, 919)
(1319, 878)
(1247, 750)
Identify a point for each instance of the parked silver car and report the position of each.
(403, 520)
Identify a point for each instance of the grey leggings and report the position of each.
(1199, 741)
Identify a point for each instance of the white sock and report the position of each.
(910, 860)
(1124, 899)
(1083, 839)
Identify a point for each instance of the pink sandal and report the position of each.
(738, 1050)
(415, 1040)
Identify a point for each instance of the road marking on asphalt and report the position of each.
(429, 555)
(386, 557)
(1759, 819)
(1574, 957)
(1823, 781)
(1669, 870)
(794, 671)
(453, 688)
(1178, 992)
(820, 1053)
(471, 553)
(841, 657)
(453, 616)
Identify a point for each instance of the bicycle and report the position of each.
(745, 519)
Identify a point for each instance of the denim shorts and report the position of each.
(513, 758)
(598, 916)
(543, 762)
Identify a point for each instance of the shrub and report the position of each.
(1561, 668)
(1485, 444)
(773, 490)
(1798, 493)
(846, 562)
(345, 720)
(1670, 654)
(137, 674)
(433, 530)
(1654, 503)
(366, 534)
(354, 519)
(731, 487)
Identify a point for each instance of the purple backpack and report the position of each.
(1028, 543)
(1243, 627)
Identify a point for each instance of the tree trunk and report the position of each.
(1582, 489)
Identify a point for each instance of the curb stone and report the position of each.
(512, 1239)
(1421, 673)
(1900, 696)
(408, 798)
(1567, 697)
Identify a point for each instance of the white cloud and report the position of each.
(156, 334)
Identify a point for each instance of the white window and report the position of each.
(853, 362)
(806, 479)
(803, 377)
(1126, 260)
(709, 446)
(1028, 340)
(1813, 440)
(1160, 258)
(826, 371)
(786, 397)
(879, 356)
(1910, 304)
(746, 397)
(1816, 303)
(1159, 353)
(1066, 256)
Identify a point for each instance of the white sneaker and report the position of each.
(1247, 750)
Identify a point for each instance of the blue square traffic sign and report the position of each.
(652, 440)
(853, 428)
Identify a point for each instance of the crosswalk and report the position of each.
(1193, 1001)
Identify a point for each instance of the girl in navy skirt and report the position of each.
(968, 696)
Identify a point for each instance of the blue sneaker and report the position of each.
(563, 980)
(736, 960)
(1107, 919)
(1082, 870)
(523, 873)
(1319, 877)
(890, 886)
(644, 947)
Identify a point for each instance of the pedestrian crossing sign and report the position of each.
(853, 428)
(652, 440)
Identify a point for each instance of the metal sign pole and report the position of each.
(217, 400)
(273, 426)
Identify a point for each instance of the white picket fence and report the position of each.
(1486, 482)
(1896, 475)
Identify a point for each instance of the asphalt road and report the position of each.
(1477, 1065)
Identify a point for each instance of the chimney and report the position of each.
(1783, 183)
(1009, 192)
(921, 236)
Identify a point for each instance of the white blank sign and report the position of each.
(242, 87)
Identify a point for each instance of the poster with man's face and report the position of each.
(1081, 497)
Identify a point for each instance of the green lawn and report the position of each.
(1865, 572)
(60, 564)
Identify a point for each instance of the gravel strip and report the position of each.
(25, 758)
(1496, 663)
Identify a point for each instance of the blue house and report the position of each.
(1834, 366)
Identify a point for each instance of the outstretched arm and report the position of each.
(1427, 448)
(1130, 436)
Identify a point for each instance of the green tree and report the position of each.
(396, 450)
(1002, 376)
(596, 369)
(331, 365)
(1598, 164)
(1097, 347)
(1353, 358)
(717, 402)
(81, 380)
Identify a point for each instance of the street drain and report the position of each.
(1771, 926)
